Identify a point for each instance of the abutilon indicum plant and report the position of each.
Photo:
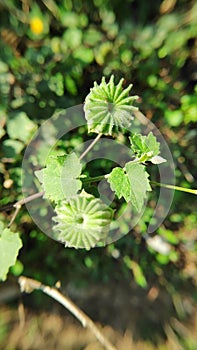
(81, 219)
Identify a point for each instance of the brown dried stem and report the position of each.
(28, 285)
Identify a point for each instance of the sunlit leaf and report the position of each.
(20, 127)
(131, 183)
(139, 183)
(119, 183)
(146, 148)
(137, 271)
(60, 177)
(10, 243)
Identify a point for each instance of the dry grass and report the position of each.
(26, 330)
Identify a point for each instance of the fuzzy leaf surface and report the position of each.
(139, 184)
(60, 177)
(23, 133)
(10, 243)
(146, 148)
(130, 183)
(119, 183)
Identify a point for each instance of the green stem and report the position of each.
(172, 187)
(136, 161)
(90, 146)
(94, 179)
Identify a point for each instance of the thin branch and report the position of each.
(188, 176)
(18, 207)
(29, 198)
(23, 201)
(21, 314)
(90, 146)
(28, 285)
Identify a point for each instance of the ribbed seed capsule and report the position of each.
(109, 106)
(82, 222)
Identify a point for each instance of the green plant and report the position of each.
(51, 53)
(81, 219)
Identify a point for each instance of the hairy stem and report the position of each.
(94, 179)
(90, 146)
(29, 198)
(28, 285)
(173, 187)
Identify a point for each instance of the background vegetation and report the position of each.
(51, 52)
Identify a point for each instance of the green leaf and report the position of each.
(70, 85)
(132, 184)
(10, 243)
(138, 274)
(60, 177)
(146, 148)
(69, 19)
(151, 144)
(119, 183)
(189, 107)
(12, 148)
(92, 37)
(144, 144)
(20, 127)
(73, 37)
(83, 54)
(139, 183)
(169, 235)
(174, 118)
(137, 271)
(162, 259)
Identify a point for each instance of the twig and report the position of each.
(90, 146)
(29, 199)
(21, 314)
(188, 176)
(15, 214)
(28, 285)
(23, 201)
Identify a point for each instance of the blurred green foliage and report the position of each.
(50, 54)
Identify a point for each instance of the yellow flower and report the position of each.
(36, 25)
